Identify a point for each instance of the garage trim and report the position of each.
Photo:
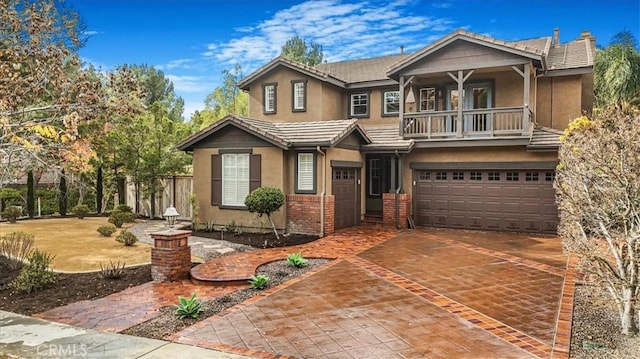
(483, 165)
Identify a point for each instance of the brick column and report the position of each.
(170, 255)
(389, 209)
(329, 214)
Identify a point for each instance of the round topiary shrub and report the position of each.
(119, 218)
(127, 238)
(80, 210)
(12, 213)
(107, 230)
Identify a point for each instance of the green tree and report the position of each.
(226, 99)
(265, 201)
(62, 195)
(99, 189)
(616, 71)
(298, 50)
(31, 198)
(598, 189)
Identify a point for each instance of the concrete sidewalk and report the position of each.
(27, 337)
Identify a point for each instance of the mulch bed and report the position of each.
(257, 240)
(68, 289)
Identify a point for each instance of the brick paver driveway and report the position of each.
(424, 293)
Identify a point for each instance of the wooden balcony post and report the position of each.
(525, 111)
(460, 120)
(401, 106)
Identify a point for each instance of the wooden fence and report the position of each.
(175, 191)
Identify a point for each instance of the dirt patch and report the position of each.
(257, 240)
(596, 328)
(168, 323)
(69, 288)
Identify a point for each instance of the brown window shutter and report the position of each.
(216, 180)
(255, 174)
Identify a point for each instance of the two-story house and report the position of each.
(463, 133)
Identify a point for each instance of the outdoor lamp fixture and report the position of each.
(171, 215)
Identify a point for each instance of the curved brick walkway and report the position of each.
(241, 266)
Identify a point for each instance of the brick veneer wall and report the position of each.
(170, 256)
(389, 209)
(303, 214)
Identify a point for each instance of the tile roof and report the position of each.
(570, 55)
(386, 138)
(280, 60)
(284, 134)
(544, 138)
(362, 70)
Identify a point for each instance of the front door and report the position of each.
(475, 97)
(378, 181)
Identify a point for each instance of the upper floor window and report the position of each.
(299, 95)
(269, 97)
(428, 99)
(391, 102)
(359, 105)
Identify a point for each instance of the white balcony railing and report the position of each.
(487, 122)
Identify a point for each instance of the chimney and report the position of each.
(401, 49)
(556, 37)
(586, 34)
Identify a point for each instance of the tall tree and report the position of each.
(298, 50)
(617, 72)
(45, 94)
(63, 199)
(31, 197)
(598, 189)
(99, 189)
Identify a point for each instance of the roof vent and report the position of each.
(401, 49)
(556, 37)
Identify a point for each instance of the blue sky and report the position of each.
(192, 41)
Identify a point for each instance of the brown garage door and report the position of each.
(345, 190)
(516, 200)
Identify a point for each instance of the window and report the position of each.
(512, 176)
(305, 173)
(441, 176)
(475, 176)
(359, 105)
(425, 175)
(269, 97)
(428, 99)
(391, 102)
(531, 177)
(549, 176)
(493, 176)
(299, 95)
(235, 179)
(458, 176)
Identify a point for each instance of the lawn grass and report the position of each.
(77, 245)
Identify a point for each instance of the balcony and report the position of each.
(477, 123)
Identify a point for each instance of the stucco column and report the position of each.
(170, 255)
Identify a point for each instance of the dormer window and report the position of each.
(298, 95)
(359, 105)
(269, 98)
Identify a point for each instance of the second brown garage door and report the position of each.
(511, 200)
(347, 203)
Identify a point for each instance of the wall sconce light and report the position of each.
(171, 215)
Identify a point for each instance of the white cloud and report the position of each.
(190, 84)
(345, 29)
(441, 5)
(92, 32)
(179, 63)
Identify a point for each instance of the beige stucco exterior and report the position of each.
(272, 175)
(561, 99)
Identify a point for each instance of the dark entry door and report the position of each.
(347, 203)
(378, 181)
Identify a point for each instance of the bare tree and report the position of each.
(598, 188)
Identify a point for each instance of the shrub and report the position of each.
(12, 213)
(16, 245)
(106, 230)
(80, 210)
(188, 308)
(265, 200)
(127, 238)
(296, 260)
(10, 197)
(112, 270)
(123, 208)
(35, 274)
(259, 281)
(119, 218)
